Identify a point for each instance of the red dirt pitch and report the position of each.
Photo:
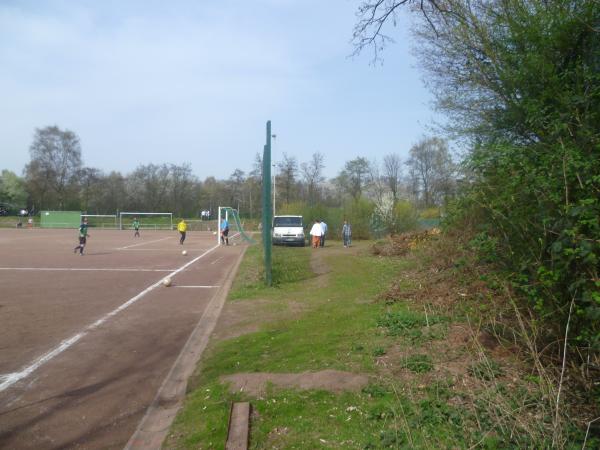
(86, 341)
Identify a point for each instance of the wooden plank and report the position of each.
(239, 426)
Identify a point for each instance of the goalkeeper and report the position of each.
(225, 232)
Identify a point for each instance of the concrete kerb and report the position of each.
(154, 426)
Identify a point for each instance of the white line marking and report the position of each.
(83, 269)
(152, 249)
(202, 287)
(218, 259)
(144, 243)
(7, 380)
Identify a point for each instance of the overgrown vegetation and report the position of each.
(431, 329)
(534, 183)
(520, 84)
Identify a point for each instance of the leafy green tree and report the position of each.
(12, 190)
(520, 81)
(55, 164)
(355, 176)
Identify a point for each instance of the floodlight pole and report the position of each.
(274, 136)
(219, 227)
(267, 219)
(274, 189)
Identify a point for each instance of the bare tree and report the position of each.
(375, 182)
(432, 169)
(312, 173)
(392, 173)
(253, 184)
(236, 184)
(148, 187)
(288, 169)
(183, 187)
(373, 15)
(112, 193)
(89, 179)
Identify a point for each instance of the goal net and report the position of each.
(101, 220)
(201, 225)
(235, 225)
(148, 221)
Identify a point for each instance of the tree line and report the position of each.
(56, 178)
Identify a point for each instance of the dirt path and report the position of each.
(248, 316)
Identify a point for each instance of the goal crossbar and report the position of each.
(98, 221)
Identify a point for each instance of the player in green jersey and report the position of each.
(136, 227)
(83, 235)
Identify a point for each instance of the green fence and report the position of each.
(60, 219)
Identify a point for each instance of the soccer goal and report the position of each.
(201, 225)
(101, 220)
(148, 221)
(236, 229)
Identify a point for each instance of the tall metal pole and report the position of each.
(274, 136)
(219, 227)
(267, 219)
(274, 189)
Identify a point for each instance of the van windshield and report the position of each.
(287, 222)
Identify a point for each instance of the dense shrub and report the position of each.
(357, 212)
(522, 81)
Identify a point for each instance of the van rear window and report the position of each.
(287, 222)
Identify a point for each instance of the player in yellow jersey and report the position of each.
(182, 228)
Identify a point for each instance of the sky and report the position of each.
(194, 82)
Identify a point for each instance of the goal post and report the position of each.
(148, 220)
(236, 228)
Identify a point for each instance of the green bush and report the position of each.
(429, 213)
(405, 217)
(533, 176)
(358, 214)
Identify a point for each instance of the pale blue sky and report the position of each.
(194, 81)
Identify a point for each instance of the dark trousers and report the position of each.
(322, 241)
(81, 245)
(182, 233)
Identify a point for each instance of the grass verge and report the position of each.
(432, 382)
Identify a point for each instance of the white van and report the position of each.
(288, 230)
